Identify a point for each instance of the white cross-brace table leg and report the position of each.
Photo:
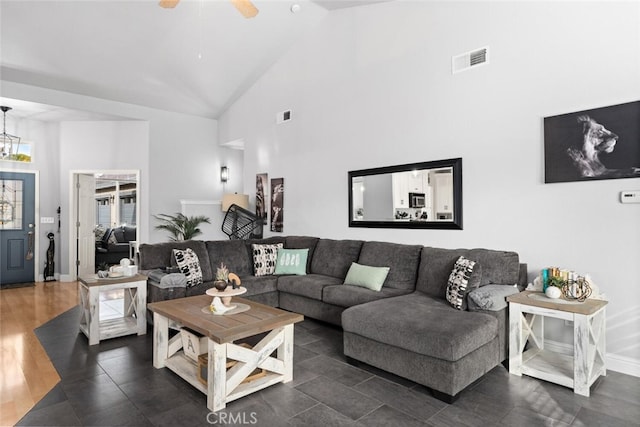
(227, 385)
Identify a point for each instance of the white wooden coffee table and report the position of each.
(135, 305)
(225, 385)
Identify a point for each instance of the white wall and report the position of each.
(103, 145)
(373, 87)
(180, 158)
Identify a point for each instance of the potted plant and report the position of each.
(554, 288)
(222, 277)
(180, 226)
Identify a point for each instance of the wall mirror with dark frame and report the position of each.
(415, 195)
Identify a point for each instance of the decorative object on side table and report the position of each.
(103, 270)
(556, 283)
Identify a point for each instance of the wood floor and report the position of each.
(26, 373)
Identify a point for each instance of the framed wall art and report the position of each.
(262, 189)
(602, 143)
(277, 204)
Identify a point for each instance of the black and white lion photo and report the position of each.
(603, 143)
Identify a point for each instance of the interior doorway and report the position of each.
(105, 216)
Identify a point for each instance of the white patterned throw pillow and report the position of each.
(460, 283)
(265, 258)
(189, 265)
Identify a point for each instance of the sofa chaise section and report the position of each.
(421, 337)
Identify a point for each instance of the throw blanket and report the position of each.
(164, 280)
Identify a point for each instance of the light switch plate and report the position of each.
(630, 197)
(47, 220)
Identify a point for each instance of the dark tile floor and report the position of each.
(114, 383)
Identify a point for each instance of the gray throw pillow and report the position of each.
(465, 276)
(490, 297)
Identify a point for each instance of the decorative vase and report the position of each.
(553, 292)
(103, 274)
(220, 285)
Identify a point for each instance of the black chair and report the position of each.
(241, 224)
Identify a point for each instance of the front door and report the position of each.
(17, 227)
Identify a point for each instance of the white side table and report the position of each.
(579, 371)
(135, 305)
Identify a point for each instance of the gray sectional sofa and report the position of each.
(407, 328)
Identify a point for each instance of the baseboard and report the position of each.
(624, 365)
(57, 276)
(615, 362)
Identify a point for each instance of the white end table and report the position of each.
(135, 305)
(579, 371)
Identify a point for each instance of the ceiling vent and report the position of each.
(468, 60)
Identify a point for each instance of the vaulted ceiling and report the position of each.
(197, 58)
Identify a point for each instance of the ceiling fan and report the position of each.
(245, 7)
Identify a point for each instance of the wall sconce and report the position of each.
(224, 174)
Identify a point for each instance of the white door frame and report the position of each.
(36, 245)
(73, 217)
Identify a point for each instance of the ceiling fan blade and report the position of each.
(245, 7)
(169, 4)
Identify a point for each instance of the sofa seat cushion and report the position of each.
(259, 285)
(349, 295)
(309, 286)
(421, 324)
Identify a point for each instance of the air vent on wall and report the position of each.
(468, 60)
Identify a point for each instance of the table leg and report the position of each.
(160, 340)
(285, 353)
(93, 325)
(515, 339)
(581, 359)
(141, 308)
(217, 375)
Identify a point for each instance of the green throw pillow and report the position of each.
(366, 276)
(292, 261)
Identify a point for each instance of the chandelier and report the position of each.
(10, 143)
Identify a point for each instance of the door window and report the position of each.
(11, 204)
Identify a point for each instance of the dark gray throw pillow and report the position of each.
(490, 297)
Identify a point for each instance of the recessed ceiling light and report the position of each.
(295, 8)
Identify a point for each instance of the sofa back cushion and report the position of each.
(233, 253)
(402, 260)
(302, 242)
(334, 257)
(498, 267)
(129, 233)
(159, 255)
